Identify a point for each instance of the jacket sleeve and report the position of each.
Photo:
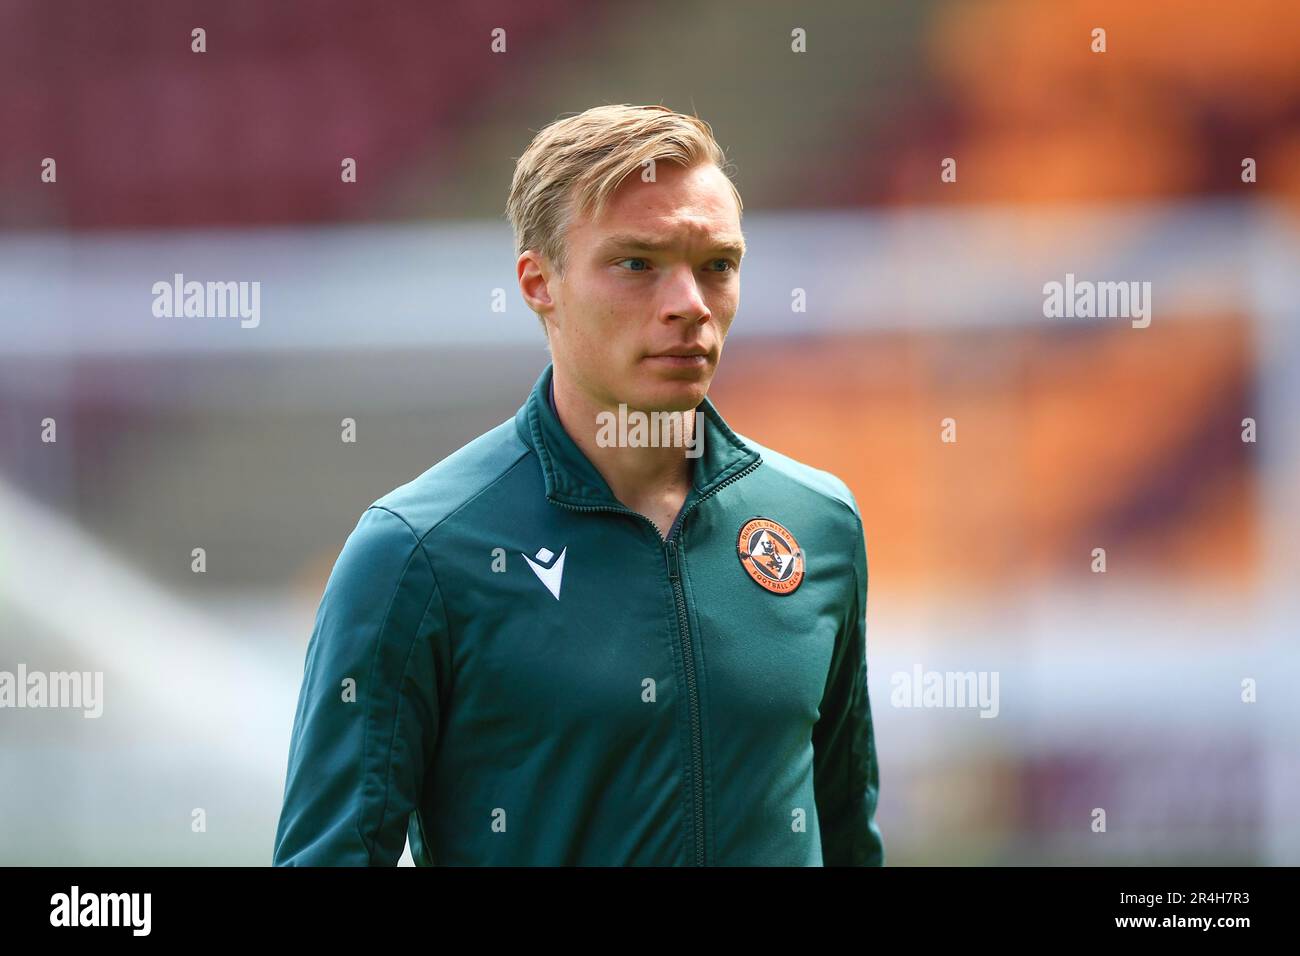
(846, 777)
(367, 721)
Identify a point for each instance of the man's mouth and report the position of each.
(682, 358)
(683, 352)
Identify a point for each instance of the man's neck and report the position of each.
(651, 480)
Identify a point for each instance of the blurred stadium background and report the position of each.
(1119, 690)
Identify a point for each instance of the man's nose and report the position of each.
(683, 299)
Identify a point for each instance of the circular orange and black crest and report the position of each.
(771, 555)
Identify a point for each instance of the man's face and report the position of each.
(649, 290)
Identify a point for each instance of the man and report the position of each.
(565, 645)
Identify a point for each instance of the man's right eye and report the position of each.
(633, 259)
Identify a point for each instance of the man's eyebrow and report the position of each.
(734, 246)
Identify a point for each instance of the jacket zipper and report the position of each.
(684, 638)
(692, 694)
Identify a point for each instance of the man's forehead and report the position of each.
(680, 202)
(665, 234)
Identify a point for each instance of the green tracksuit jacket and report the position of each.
(510, 667)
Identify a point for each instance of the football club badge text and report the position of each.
(771, 555)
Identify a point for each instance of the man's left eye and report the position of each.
(725, 262)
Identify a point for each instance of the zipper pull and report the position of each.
(672, 560)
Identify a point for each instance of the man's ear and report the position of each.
(535, 273)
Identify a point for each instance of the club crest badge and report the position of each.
(770, 555)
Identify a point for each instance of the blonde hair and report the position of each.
(576, 163)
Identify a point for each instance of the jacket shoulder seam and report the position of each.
(369, 842)
(420, 538)
(772, 461)
(824, 494)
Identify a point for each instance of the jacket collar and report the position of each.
(572, 479)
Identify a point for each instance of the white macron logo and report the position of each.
(550, 576)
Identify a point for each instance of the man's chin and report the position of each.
(673, 396)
